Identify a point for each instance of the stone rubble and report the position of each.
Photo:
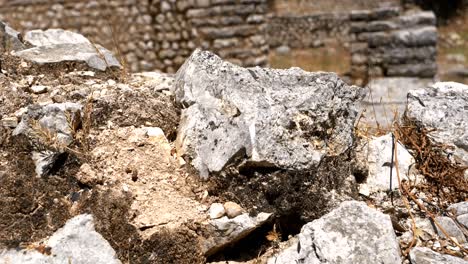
(76, 242)
(247, 120)
(50, 124)
(225, 231)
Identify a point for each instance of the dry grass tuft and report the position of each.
(445, 177)
(43, 139)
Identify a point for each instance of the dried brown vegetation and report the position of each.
(445, 178)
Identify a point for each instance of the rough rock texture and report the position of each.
(233, 209)
(51, 125)
(287, 119)
(451, 228)
(421, 255)
(387, 94)
(76, 242)
(53, 36)
(225, 231)
(94, 56)
(216, 211)
(444, 107)
(461, 213)
(459, 208)
(10, 39)
(379, 155)
(352, 233)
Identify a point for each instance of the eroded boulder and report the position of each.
(289, 119)
(352, 233)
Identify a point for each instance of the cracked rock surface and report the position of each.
(288, 119)
(351, 233)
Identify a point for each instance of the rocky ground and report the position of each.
(219, 164)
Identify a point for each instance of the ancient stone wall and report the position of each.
(153, 34)
(308, 30)
(389, 42)
(304, 7)
(234, 29)
(308, 24)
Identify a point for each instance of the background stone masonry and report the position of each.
(153, 34)
(161, 34)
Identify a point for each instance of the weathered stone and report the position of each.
(76, 242)
(373, 26)
(49, 127)
(380, 13)
(420, 18)
(422, 255)
(232, 209)
(225, 231)
(10, 40)
(444, 107)
(424, 36)
(401, 55)
(463, 220)
(11, 122)
(94, 56)
(39, 89)
(216, 211)
(288, 119)
(425, 70)
(460, 208)
(450, 228)
(352, 233)
(53, 36)
(379, 162)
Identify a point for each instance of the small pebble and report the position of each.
(38, 89)
(216, 211)
(232, 209)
